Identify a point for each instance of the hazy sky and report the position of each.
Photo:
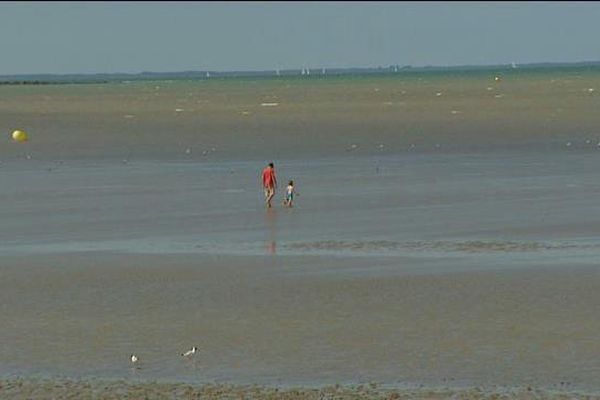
(97, 37)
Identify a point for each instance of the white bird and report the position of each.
(134, 359)
(352, 147)
(190, 352)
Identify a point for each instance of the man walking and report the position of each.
(269, 181)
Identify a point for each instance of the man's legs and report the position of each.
(269, 193)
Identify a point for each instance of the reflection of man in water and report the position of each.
(269, 181)
(271, 231)
(272, 247)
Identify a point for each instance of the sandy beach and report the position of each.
(441, 246)
(44, 389)
(301, 320)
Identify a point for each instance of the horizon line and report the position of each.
(512, 65)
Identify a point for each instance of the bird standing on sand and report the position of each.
(190, 352)
(134, 359)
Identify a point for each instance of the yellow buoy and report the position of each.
(19, 136)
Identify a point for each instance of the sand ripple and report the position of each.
(470, 246)
(60, 389)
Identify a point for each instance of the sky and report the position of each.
(132, 37)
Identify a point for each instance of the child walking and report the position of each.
(288, 201)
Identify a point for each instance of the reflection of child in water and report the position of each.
(289, 194)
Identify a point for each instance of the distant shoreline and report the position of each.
(38, 82)
(308, 73)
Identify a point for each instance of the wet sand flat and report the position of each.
(317, 116)
(298, 320)
(437, 270)
(42, 389)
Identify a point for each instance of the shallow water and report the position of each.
(499, 205)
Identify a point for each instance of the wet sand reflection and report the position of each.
(271, 231)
